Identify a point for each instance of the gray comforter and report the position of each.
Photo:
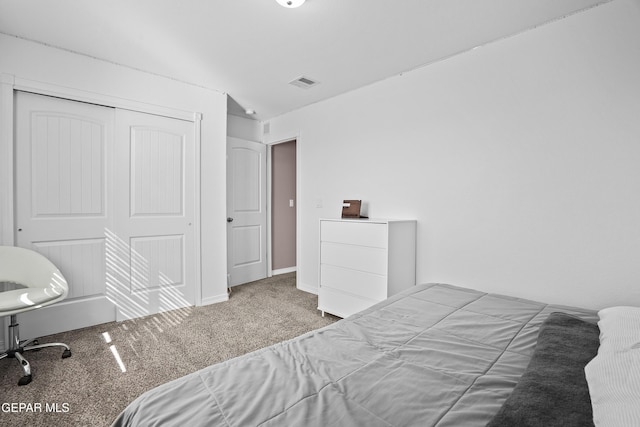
(434, 355)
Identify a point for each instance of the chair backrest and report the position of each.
(44, 282)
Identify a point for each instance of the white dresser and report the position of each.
(364, 261)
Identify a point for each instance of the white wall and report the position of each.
(74, 73)
(243, 128)
(520, 160)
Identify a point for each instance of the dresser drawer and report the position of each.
(362, 258)
(341, 304)
(355, 282)
(354, 233)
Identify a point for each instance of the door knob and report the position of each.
(229, 219)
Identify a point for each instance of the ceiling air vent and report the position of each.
(303, 82)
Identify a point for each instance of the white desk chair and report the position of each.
(41, 284)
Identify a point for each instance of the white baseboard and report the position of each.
(69, 315)
(215, 299)
(284, 270)
(308, 288)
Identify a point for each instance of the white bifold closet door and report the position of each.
(154, 215)
(108, 196)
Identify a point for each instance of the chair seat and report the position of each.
(40, 284)
(25, 299)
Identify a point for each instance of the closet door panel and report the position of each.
(63, 187)
(154, 215)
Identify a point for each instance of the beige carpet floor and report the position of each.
(90, 388)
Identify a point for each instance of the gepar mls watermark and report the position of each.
(34, 407)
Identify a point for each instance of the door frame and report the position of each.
(270, 205)
(299, 191)
(9, 84)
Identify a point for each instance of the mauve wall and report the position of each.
(283, 219)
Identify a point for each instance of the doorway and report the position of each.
(283, 207)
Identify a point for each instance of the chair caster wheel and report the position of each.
(66, 353)
(25, 380)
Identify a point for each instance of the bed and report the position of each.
(434, 355)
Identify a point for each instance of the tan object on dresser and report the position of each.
(364, 261)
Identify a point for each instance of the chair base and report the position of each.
(18, 347)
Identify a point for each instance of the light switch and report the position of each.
(290, 203)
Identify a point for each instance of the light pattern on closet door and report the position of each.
(159, 262)
(154, 218)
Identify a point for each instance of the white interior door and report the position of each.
(63, 192)
(246, 211)
(152, 247)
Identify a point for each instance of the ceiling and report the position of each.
(252, 49)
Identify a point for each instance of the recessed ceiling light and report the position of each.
(250, 111)
(290, 3)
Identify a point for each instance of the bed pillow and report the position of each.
(553, 390)
(613, 376)
(614, 387)
(619, 329)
